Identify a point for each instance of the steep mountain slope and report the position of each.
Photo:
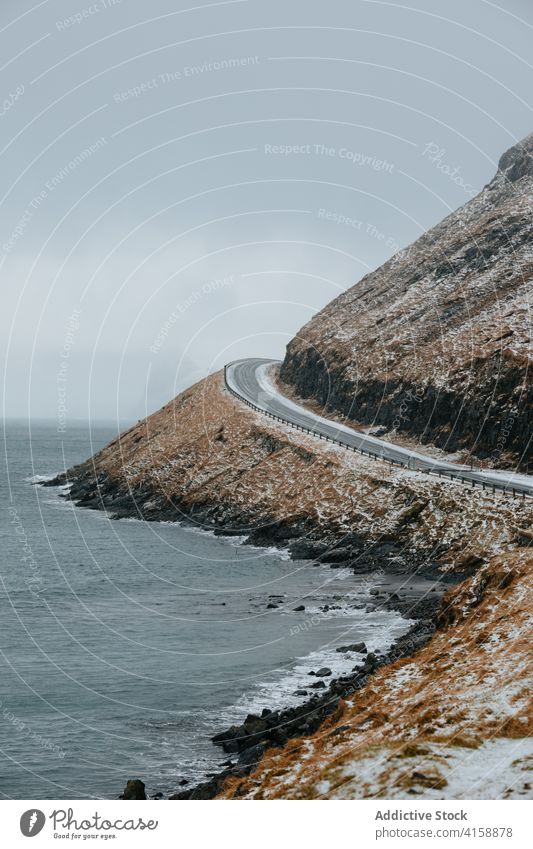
(434, 344)
(207, 458)
(437, 342)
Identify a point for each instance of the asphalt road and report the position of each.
(249, 380)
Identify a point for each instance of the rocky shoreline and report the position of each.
(303, 539)
(250, 740)
(246, 743)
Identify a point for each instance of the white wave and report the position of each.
(381, 629)
(41, 478)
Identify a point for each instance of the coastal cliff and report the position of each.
(436, 343)
(206, 458)
(450, 694)
(434, 346)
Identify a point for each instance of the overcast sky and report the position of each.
(181, 187)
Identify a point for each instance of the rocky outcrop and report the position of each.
(134, 789)
(258, 483)
(436, 343)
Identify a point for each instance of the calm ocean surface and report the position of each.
(124, 645)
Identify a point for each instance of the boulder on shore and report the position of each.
(358, 647)
(134, 789)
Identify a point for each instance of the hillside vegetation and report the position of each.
(436, 343)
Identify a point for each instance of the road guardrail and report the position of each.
(504, 489)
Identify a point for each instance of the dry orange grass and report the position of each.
(422, 725)
(206, 448)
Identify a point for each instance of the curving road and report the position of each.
(249, 380)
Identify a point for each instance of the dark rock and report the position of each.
(305, 549)
(134, 789)
(240, 737)
(357, 647)
(253, 754)
(318, 685)
(323, 672)
(278, 737)
(230, 740)
(516, 162)
(339, 730)
(254, 724)
(208, 789)
(272, 606)
(276, 533)
(299, 608)
(337, 555)
(371, 662)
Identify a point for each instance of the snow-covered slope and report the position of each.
(437, 342)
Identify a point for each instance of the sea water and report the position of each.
(125, 645)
